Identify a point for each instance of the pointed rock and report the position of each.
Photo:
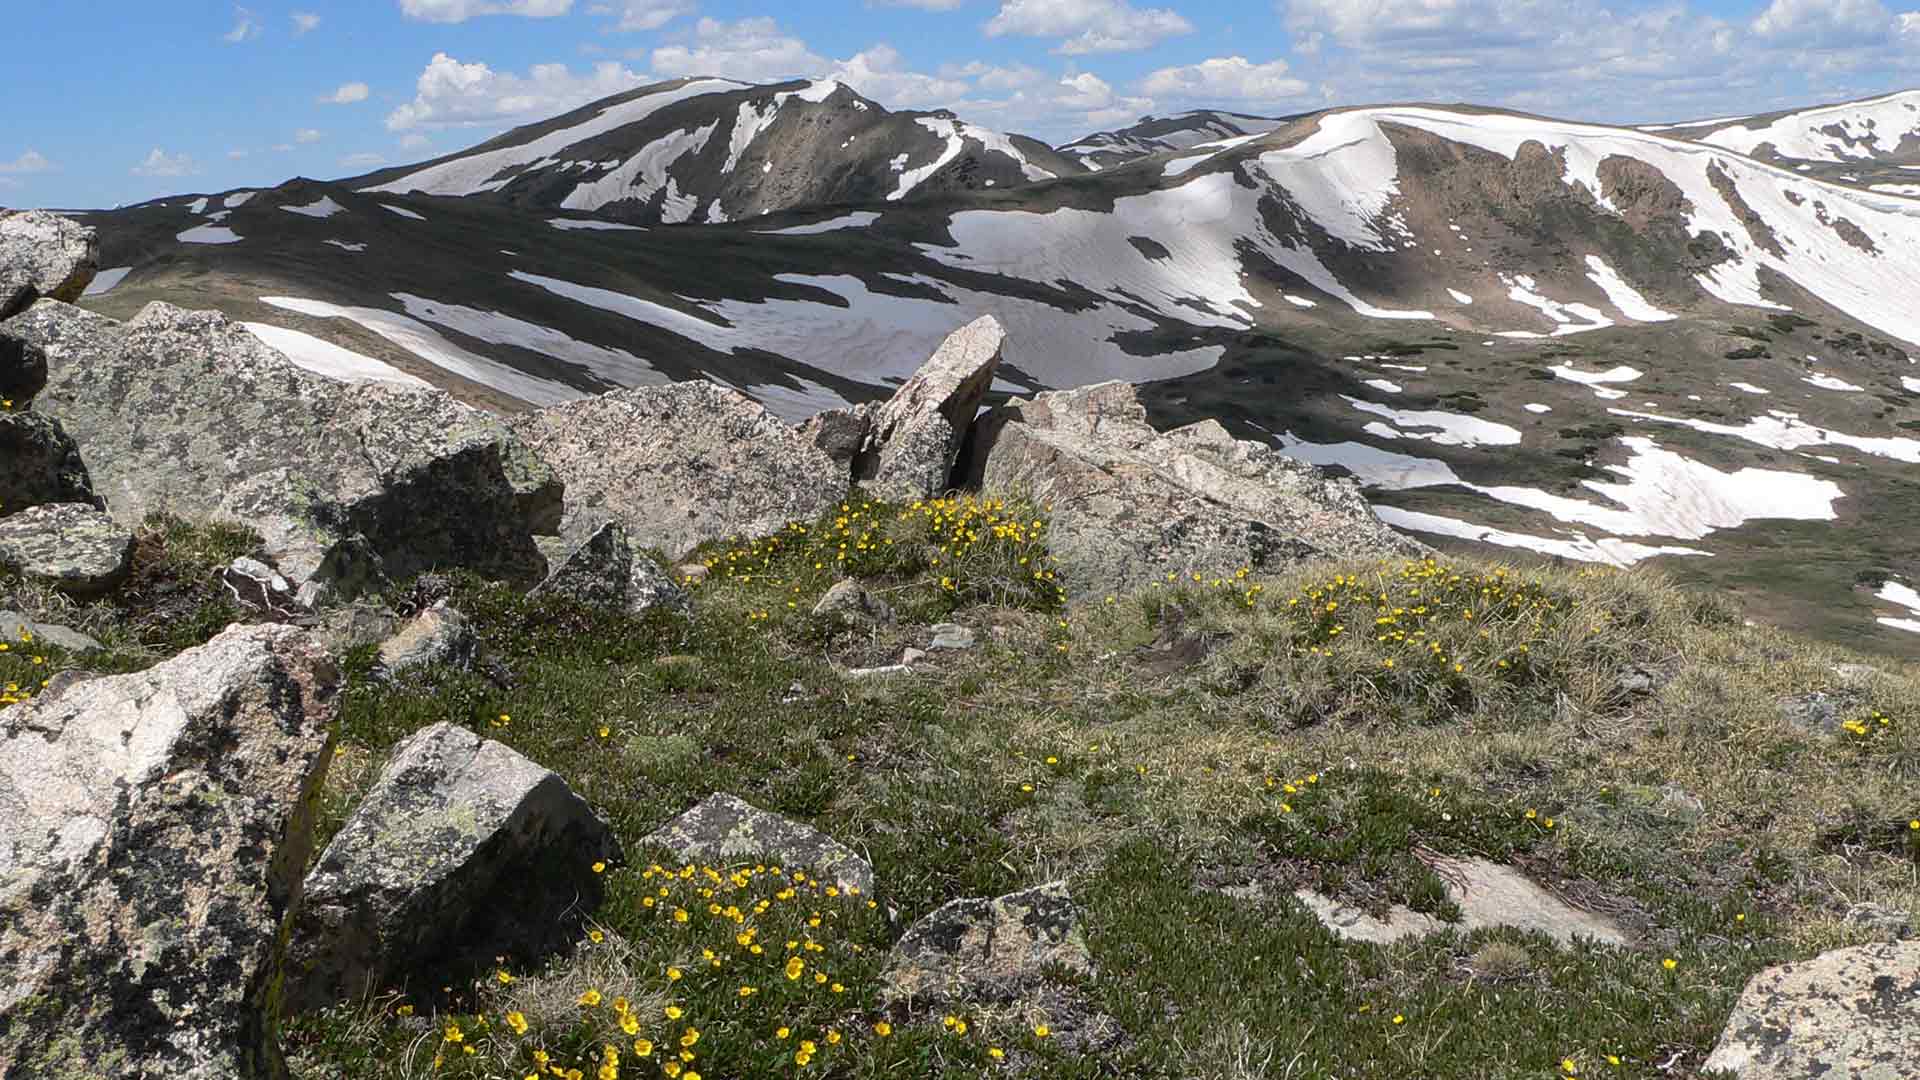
(69, 546)
(725, 828)
(988, 950)
(913, 438)
(606, 573)
(463, 850)
(1850, 1012)
(43, 254)
(156, 828)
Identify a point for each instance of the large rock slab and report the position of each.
(1488, 895)
(186, 412)
(605, 572)
(43, 464)
(726, 828)
(14, 626)
(978, 949)
(680, 464)
(1130, 504)
(69, 546)
(153, 830)
(1851, 1013)
(462, 851)
(911, 440)
(43, 254)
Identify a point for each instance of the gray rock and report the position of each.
(154, 830)
(63, 334)
(913, 438)
(350, 626)
(69, 546)
(1488, 895)
(1130, 505)
(692, 573)
(988, 950)
(350, 484)
(1890, 924)
(838, 433)
(256, 585)
(680, 464)
(727, 828)
(1819, 712)
(1851, 1013)
(43, 254)
(438, 635)
(605, 572)
(848, 599)
(948, 635)
(23, 371)
(462, 851)
(13, 624)
(874, 672)
(1354, 924)
(912, 656)
(43, 464)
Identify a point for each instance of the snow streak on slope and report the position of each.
(1786, 431)
(1630, 302)
(326, 358)
(613, 365)
(474, 174)
(1853, 131)
(859, 219)
(911, 178)
(643, 174)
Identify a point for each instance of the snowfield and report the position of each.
(326, 358)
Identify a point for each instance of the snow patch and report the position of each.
(104, 281)
(1536, 407)
(324, 207)
(1749, 388)
(1631, 303)
(356, 248)
(209, 234)
(859, 219)
(573, 224)
(1459, 297)
(1829, 382)
(325, 358)
(402, 211)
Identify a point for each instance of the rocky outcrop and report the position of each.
(43, 254)
(43, 464)
(605, 572)
(911, 441)
(187, 412)
(153, 829)
(725, 828)
(1130, 504)
(988, 950)
(463, 851)
(1851, 1012)
(838, 433)
(68, 546)
(680, 464)
(437, 635)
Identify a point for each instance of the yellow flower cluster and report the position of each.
(14, 690)
(1864, 727)
(1431, 613)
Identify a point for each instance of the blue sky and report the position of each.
(117, 101)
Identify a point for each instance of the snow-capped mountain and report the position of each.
(1158, 135)
(1582, 341)
(715, 150)
(1882, 129)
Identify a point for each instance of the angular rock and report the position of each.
(256, 585)
(463, 850)
(848, 599)
(43, 254)
(913, 438)
(43, 464)
(438, 635)
(838, 433)
(680, 464)
(23, 371)
(1851, 1013)
(605, 572)
(1130, 505)
(988, 950)
(912, 656)
(63, 334)
(350, 484)
(69, 546)
(726, 828)
(155, 830)
(14, 625)
(1354, 924)
(1488, 894)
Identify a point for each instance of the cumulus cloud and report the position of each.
(160, 163)
(1828, 22)
(32, 161)
(452, 94)
(304, 22)
(879, 73)
(453, 11)
(1227, 79)
(347, 94)
(995, 78)
(754, 50)
(306, 136)
(644, 14)
(1088, 26)
(245, 27)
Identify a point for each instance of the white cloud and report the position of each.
(452, 94)
(281, 148)
(1910, 22)
(30, 162)
(878, 73)
(453, 11)
(991, 77)
(1830, 22)
(304, 22)
(347, 94)
(245, 27)
(1226, 80)
(308, 135)
(644, 14)
(160, 163)
(362, 160)
(754, 50)
(1089, 26)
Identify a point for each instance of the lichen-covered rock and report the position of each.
(43, 464)
(43, 254)
(23, 371)
(838, 433)
(1130, 505)
(461, 852)
(680, 464)
(912, 439)
(437, 635)
(63, 334)
(1851, 1013)
(988, 950)
(69, 546)
(153, 830)
(1488, 895)
(350, 484)
(606, 573)
(726, 828)
(848, 599)
(15, 627)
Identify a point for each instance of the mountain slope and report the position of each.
(1159, 135)
(1588, 342)
(714, 150)
(1882, 129)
